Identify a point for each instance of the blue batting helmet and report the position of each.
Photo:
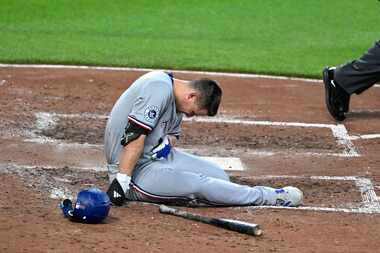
(92, 206)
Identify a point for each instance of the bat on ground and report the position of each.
(234, 225)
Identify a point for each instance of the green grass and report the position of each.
(289, 37)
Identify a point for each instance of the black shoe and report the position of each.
(336, 98)
(116, 194)
(344, 97)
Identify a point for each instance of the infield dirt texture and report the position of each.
(52, 120)
(52, 123)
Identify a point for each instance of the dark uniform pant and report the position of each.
(360, 74)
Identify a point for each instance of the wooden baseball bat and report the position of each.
(234, 225)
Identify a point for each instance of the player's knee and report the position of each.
(224, 176)
(219, 173)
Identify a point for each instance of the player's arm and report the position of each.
(142, 119)
(130, 154)
(133, 142)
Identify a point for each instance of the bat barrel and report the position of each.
(239, 226)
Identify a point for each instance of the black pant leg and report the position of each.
(360, 74)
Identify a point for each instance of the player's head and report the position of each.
(201, 97)
(209, 95)
(92, 206)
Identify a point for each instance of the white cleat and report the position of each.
(289, 196)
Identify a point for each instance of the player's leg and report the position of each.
(112, 152)
(112, 148)
(360, 74)
(191, 163)
(159, 181)
(234, 194)
(353, 77)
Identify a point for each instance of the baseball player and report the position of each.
(144, 165)
(353, 77)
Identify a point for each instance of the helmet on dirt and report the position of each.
(92, 206)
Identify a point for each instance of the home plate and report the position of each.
(226, 163)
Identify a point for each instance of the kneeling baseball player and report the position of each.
(144, 166)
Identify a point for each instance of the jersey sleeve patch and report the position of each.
(151, 113)
(152, 101)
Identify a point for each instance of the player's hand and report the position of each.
(118, 188)
(162, 150)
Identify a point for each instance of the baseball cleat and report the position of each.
(289, 196)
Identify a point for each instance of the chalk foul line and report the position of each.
(211, 73)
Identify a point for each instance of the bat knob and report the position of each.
(258, 232)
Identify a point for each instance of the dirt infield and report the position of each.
(52, 123)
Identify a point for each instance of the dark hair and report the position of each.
(210, 94)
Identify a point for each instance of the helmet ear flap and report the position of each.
(66, 207)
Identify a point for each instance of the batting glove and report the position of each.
(118, 188)
(162, 150)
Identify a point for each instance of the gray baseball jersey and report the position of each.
(149, 102)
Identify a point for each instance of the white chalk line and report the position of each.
(228, 120)
(341, 134)
(61, 192)
(317, 209)
(338, 131)
(47, 119)
(52, 116)
(264, 153)
(259, 153)
(212, 73)
(3, 166)
(364, 137)
(370, 201)
(360, 111)
(61, 143)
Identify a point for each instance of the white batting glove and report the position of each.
(124, 181)
(118, 188)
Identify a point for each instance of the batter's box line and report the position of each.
(370, 202)
(339, 131)
(48, 120)
(369, 198)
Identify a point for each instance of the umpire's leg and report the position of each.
(360, 74)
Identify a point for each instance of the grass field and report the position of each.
(292, 37)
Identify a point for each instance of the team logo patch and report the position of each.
(151, 113)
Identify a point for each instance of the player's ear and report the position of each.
(192, 95)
